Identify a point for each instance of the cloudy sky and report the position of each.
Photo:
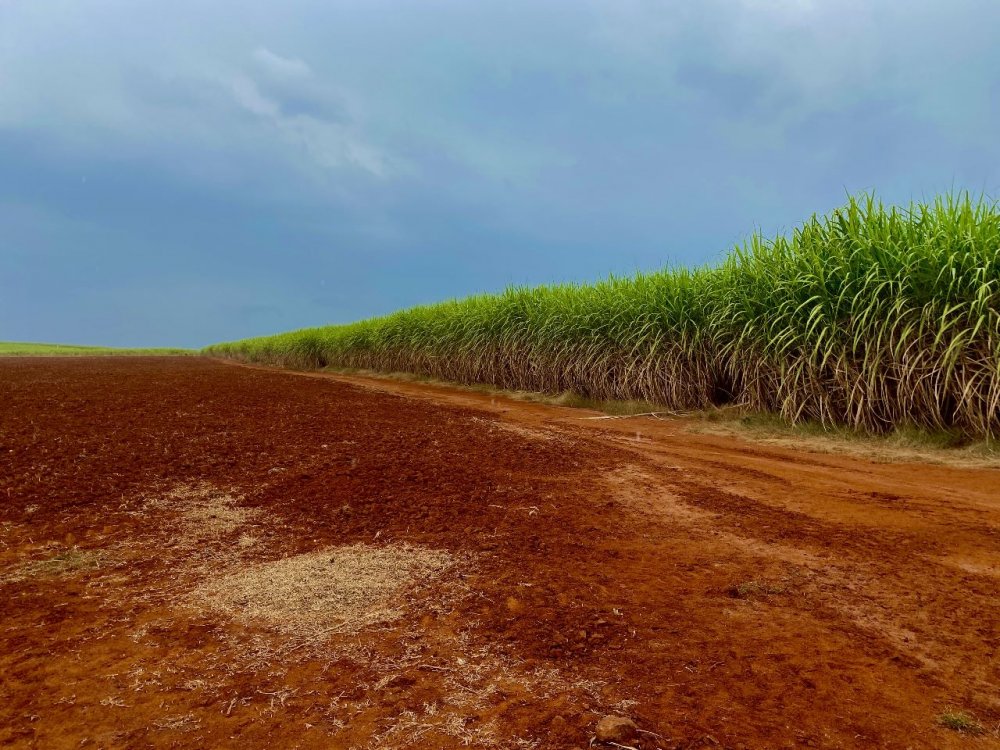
(178, 173)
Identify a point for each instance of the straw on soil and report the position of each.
(203, 512)
(64, 563)
(342, 589)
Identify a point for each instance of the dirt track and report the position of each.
(719, 593)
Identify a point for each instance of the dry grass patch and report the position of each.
(337, 590)
(757, 588)
(65, 563)
(204, 512)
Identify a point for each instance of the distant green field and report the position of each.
(24, 348)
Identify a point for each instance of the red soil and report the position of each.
(721, 594)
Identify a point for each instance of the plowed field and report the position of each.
(202, 555)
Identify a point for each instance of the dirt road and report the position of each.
(175, 533)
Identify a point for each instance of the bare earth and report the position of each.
(200, 555)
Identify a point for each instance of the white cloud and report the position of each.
(328, 141)
(83, 76)
(328, 144)
(331, 145)
(283, 66)
(248, 96)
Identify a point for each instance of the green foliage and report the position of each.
(960, 721)
(24, 349)
(873, 317)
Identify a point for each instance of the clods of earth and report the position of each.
(199, 554)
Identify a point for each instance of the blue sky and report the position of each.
(187, 172)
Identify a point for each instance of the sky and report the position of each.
(181, 173)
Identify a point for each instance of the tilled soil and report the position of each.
(719, 593)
